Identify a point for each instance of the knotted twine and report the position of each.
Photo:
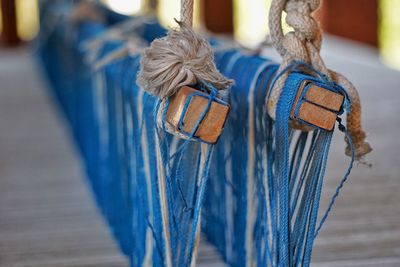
(304, 44)
(180, 58)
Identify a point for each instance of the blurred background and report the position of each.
(47, 216)
(373, 22)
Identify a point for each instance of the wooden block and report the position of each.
(317, 116)
(324, 97)
(319, 106)
(212, 124)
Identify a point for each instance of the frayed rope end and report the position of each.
(180, 58)
(361, 149)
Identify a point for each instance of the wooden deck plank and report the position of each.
(47, 215)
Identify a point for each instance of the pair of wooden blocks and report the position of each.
(314, 105)
(187, 107)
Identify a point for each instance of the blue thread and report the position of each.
(342, 182)
(118, 181)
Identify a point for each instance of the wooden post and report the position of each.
(9, 36)
(353, 19)
(218, 15)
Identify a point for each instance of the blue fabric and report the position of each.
(256, 192)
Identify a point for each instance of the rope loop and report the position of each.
(304, 44)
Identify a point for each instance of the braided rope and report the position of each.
(304, 44)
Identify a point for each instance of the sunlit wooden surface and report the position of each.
(48, 217)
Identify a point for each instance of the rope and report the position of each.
(181, 58)
(187, 12)
(304, 44)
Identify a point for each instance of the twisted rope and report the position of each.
(181, 58)
(304, 44)
(187, 12)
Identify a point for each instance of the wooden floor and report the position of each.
(48, 218)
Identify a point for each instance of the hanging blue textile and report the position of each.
(255, 194)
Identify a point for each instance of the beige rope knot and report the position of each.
(294, 47)
(304, 25)
(306, 28)
(183, 57)
(180, 58)
(304, 44)
(301, 44)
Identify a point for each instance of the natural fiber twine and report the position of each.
(181, 58)
(304, 44)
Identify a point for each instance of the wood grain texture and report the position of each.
(318, 107)
(356, 19)
(218, 16)
(324, 98)
(213, 123)
(48, 217)
(317, 116)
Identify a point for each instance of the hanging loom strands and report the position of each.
(254, 213)
(295, 169)
(264, 179)
(168, 67)
(303, 45)
(300, 51)
(176, 61)
(97, 128)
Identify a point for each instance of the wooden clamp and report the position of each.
(186, 108)
(317, 105)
